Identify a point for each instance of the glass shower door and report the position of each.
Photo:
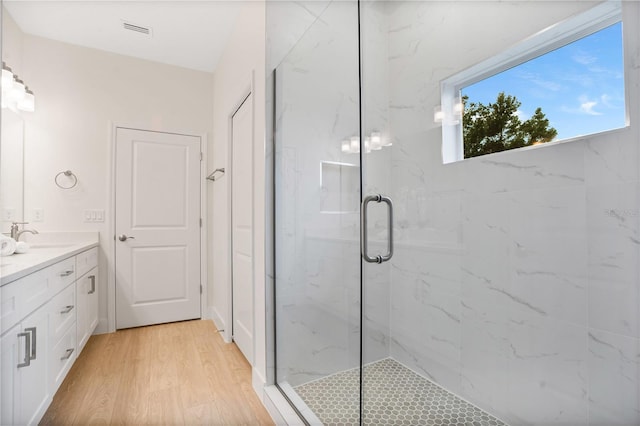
(317, 218)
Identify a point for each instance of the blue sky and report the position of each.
(580, 87)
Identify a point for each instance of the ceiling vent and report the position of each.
(136, 28)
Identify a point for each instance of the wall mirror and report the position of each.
(11, 169)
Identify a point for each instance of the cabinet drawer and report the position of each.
(11, 305)
(62, 273)
(24, 296)
(62, 357)
(86, 261)
(63, 312)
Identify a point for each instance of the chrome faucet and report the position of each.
(16, 232)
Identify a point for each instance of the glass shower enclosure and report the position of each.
(417, 285)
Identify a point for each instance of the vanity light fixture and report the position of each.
(15, 94)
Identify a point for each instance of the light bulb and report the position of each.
(355, 144)
(18, 90)
(376, 141)
(28, 102)
(438, 114)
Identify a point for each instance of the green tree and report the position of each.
(496, 127)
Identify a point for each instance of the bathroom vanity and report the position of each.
(49, 299)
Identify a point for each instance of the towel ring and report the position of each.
(67, 173)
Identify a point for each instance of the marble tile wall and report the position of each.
(523, 294)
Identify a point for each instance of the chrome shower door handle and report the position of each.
(389, 204)
(364, 232)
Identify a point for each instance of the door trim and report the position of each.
(247, 90)
(110, 246)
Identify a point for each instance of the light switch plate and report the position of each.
(94, 215)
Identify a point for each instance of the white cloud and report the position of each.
(584, 58)
(587, 108)
(536, 79)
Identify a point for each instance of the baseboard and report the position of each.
(102, 327)
(207, 313)
(220, 323)
(258, 382)
(279, 409)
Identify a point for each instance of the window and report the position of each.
(565, 82)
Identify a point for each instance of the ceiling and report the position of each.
(190, 34)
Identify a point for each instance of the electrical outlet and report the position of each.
(8, 214)
(38, 215)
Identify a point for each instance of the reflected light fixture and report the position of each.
(376, 141)
(373, 142)
(355, 145)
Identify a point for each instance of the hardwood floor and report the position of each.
(179, 373)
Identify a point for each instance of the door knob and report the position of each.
(123, 237)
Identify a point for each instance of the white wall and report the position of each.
(242, 61)
(79, 93)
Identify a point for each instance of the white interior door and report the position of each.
(242, 227)
(157, 224)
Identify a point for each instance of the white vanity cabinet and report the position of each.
(44, 314)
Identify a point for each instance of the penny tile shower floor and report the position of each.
(393, 395)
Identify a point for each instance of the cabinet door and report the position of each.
(9, 386)
(35, 391)
(92, 304)
(87, 288)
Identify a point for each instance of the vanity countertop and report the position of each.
(42, 253)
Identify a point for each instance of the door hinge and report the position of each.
(200, 288)
(201, 156)
(200, 222)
